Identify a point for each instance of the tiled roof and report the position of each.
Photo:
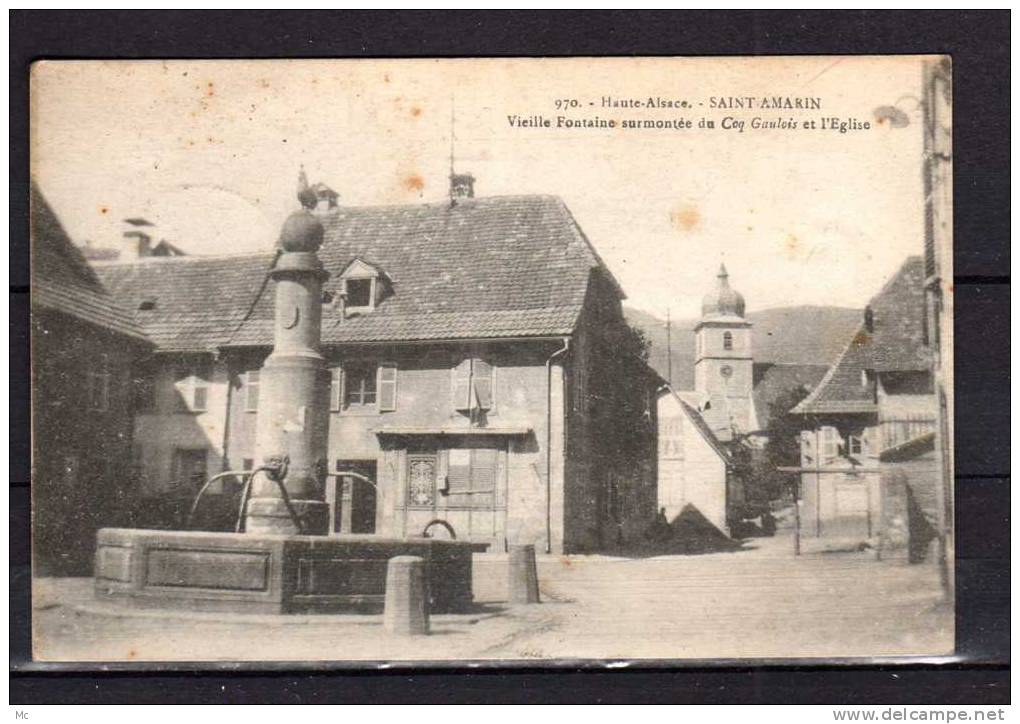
(436, 326)
(495, 267)
(897, 342)
(63, 281)
(894, 343)
(188, 303)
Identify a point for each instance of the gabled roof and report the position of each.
(685, 398)
(62, 279)
(894, 342)
(512, 266)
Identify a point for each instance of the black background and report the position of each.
(979, 44)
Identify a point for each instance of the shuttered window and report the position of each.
(359, 385)
(471, 476)
(473, 387)
(831, 444)
(387, 387)
(251, 391)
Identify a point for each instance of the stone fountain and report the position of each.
(283, 560)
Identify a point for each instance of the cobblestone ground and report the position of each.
(759, 602)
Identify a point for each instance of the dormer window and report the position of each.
(359, 293)
(363, 287)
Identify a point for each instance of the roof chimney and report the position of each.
(136, 241)
(462, 186)
(317, 198)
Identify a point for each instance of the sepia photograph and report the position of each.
(516, 361)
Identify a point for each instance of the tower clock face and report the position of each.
(726, 371)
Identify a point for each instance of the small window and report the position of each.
(97, 383)
(248, 464)
(251, 391)
(359, 385)
(359, 292)
(727, 340)
(192, 383)
(831, 443)
(856, 444)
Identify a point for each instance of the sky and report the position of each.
(210, 152)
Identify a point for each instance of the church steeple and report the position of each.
(723, 361)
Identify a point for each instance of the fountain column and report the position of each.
(293, 418)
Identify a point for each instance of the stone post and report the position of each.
(407, 610)
(522, 574)
(293, 417)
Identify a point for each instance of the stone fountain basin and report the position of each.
(263, 573)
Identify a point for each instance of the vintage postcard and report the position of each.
(510, 360)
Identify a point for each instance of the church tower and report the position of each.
(723, 361)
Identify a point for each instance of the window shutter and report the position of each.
(458, 470)
(482, 376)
(251, 393)
(200, 400)
(387, 387)
(462, 386)
(831, 443)
(807, 448)
(202, 373)
(483, 470)
(336, 389)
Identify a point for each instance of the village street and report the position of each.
(759, 602)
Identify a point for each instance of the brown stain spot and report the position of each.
(414, 183)
(566, 561)
(104, 209)
(386, 77)
(263, 83)
(132, 654)
(685, 219)
(792, 244)
(210, 89)
(861, 339)
(416, 111)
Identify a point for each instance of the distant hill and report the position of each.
(802, 335)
